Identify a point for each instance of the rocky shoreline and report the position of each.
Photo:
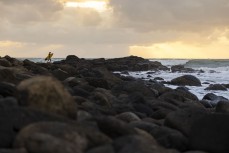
(81, 106)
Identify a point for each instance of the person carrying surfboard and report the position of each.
(48, 58)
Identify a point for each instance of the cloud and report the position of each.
(178, 15)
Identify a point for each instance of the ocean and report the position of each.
(215, 72)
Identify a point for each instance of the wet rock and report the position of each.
(8, 102)
(7, 89)
(181, 69)
(216, 87)
(43, 137)
(222, 107)
(22, 150)
(77, 91)
(46, 94)
(178, 97)
(60, 74)
(195, 152)
(214, 99)
(72, 60)
(13, 61)
(168, 138)
(210, 133)
(158, 79)
(188, 80)
(73, 81)
(206, 103)
(183, 119)
(102, 149)
(114, 127)
(132, 87)
(35, 68)
(137, 144)
(5, 63)
(13, 119)
(8, 75)
(128, 117)
(98, 82)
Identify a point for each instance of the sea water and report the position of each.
(215, 72)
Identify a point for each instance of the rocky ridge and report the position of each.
(80, 106)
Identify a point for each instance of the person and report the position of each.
(48, 58)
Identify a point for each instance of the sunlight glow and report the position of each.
(97, 5)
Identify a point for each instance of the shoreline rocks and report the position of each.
(81, 106)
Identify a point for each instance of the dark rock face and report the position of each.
(86, 108)
(136, 144)
(216, 87)
(133, 63)
(222, 107)
(4, 62)
(13, 119)
(210, 133)
(181, 68)
(7, 89)
(214, 99)
(188, 80)
(169, 138)
(47, 94)
(183, 119)
(51, 137)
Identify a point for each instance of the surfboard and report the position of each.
(49, 56)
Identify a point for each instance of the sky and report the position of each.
(115, 28)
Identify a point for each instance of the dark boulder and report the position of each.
(181, 69)
(13, 61)
(35, 68)
(188, 80)
(51, 137)
(167, 137)
(183, 119)
(98, 82)
(13, 119)
(137, 144)
(8, 90)
(216, 87)
(4, 62)
(47, 94)
(102, 149)
(222, 107)
(210, 133)
(8, 75)
(60, 74)
(214, 99)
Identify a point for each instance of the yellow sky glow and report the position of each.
(100, 6)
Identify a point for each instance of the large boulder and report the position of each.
(183, 119)
(210, 133)
(214, 99)
(13, 119)
(51, 137)
(188, 80)
(35, 68)
(216, 87)
(47, 94)
(165, 136)
(4, 62)
(8, 75)
(181, 68)
(138, 144)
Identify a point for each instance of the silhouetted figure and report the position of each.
(49, 57)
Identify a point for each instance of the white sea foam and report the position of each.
(216, 75)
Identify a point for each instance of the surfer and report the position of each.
(48, 58)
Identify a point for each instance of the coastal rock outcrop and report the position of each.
(188, 80)
(47, 94)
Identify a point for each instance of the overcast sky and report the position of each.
(115, 28)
